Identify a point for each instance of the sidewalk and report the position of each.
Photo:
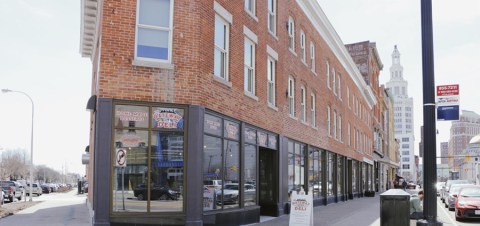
(357, 212)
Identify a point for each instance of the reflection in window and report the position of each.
(330, 173)
(231, 197)
(296, 166)
(130, 180)
(250, 171)
(339, 175)
(364, 179)
(212, 170)
(315, 172)
(354, 176)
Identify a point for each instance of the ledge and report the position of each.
(146, 63)
(222, 81)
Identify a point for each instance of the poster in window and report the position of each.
(212, 125)
(250, 135)
(262, 139)
(168, 118)
(131, 116)
(272, 141)
(231, 130)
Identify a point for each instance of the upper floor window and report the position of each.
(334, 82)
(340, 127)
(291, 34)
(329, 130)
(339, 86)
(291, 96)
(349, 134)
(154, 30)
(221, 47)
(303, 104)
(249, 58)
(271, 80)
(328, 74)
(348, 97)
(313, 114)
(250, 6)
(335, 124)
(272, 16)
(312, 57)
(303, 52)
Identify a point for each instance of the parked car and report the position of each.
(215, 184)
(411, 185)
(452, 195)
(439, 187)
(468, 201)
(36, 189)
(45, 189)
(449, 183)
(13, 190)
(156, 192)
(231, 193)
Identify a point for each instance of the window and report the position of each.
(333, 82)
(315, 172)
(250, 6)
(291, 96)
(271, 80)
(272, 16)
(312, 57)
(348, 97)
(405, 159)
(405, 166)
(330, 173)
(291, 34)
(313, 114)
(405, 152)
(249, 58)
(303, 112)
(328, 75)
(349, 135)
(405, 139)
(154, 30)
(405, 146)
(221, 48)
(328, 122)
(339, 86)
(296, 166)
(303, 52)
(340, 127)
(335, 124)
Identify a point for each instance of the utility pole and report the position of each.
(429, 119)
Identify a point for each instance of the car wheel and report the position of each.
(140, 197)
(451, 209)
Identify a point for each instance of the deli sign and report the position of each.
(448, 101)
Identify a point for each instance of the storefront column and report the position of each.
(101, 177)
(194, 178)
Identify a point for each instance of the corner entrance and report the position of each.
(267, 182)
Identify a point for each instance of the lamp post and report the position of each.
(31, 140)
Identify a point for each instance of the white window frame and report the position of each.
(271, 64)
(249, 80)
(312, 58)
(328, 74)
(329, 130)
(335, 124)
(348, 97)
(144, 61)
(291, 34)
(252, 9)
(224, 51)
(272, 17)
(313, 113)
(303, 107)
(303, 52)
(339, 84)
(349, 134)
(340, 128)
(291, 96)
(334, 86)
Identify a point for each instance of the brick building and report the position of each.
(213, 112)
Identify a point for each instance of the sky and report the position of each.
(456, 38)
(39, 55)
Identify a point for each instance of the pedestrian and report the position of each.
(416, 206)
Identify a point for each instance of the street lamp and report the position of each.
(31, 140)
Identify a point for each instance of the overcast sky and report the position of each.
(456, 30)
(39, 55)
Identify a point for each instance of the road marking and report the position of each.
(446, 213)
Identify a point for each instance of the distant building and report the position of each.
(469, 167)
(461, 132)
(403, 118)
(444, 152)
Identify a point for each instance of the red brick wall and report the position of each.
(191, 82)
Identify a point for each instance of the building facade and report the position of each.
(214, 112)
(403, 118)
(461, 132)
(444, 152)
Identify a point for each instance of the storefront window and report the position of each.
(250, 136)
(231, 187)
(212, 170)
(330, 173)
(131, 116)
(354, 176)
(296, 166)
(339, 175)
(364, 177)
(130, 193)
(166, 175)
(213, 125)
(315, 172)
(250, 172)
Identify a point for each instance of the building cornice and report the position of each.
(319, 20)
(89, 27)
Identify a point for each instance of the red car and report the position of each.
(467, 204)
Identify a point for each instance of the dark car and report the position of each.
(45, 189)
(156, 192)
(467, 204)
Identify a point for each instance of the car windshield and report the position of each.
(231, 186)
(470, 192)
(455, 189)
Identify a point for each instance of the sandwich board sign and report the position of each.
(301, 209)
(448, 101)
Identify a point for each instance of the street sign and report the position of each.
(121, 157)
(448, 101)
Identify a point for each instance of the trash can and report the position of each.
(395, 208)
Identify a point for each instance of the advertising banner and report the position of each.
(448, 101)
(301, 210)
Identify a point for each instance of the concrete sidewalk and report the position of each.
(357, 212)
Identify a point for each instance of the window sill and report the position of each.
(222, 81)
(146, 63)
(273, 35)
(272, 107)
(292, 117)
(292, 51)
(304, 63)
(314, 127)
(314, 73)
(251, 15)
(248, 94)
(305, 123)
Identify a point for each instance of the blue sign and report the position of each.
(448, 113)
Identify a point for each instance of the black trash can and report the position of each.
(395, 208)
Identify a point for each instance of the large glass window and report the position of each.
(154, 28)
(364, 177)
(354, 176)
(250, 172)
(330, 173)
(315, 172)
(221, 47)
(340, 171)
(296, 166)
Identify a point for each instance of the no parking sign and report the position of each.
(121, 157)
